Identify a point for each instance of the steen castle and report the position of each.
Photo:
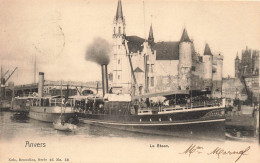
(142, 66)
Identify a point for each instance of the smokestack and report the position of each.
(104, 79)
(40, 84)
(2, 88)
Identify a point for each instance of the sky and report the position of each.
(58, 32)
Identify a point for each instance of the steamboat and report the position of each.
(177, 115)
(51, 108)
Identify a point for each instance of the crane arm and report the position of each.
(11, 74)
(5, 73)
(130, 61)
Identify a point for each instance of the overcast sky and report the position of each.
(58, 32)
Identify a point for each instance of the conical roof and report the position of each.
(207, 50)
(237, 58)
(119, 11)
(151, 33)
(150, 38)
(185, 37)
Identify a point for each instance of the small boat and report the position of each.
(62, 126)
(236, 138)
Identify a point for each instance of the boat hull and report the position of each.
(51, 114)
(200, 123)
(50, 117)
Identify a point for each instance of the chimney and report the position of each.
(104, 79)
(40, 84)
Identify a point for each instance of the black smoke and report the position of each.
(98, 51)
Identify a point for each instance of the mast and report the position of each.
(144, 21)
(145, 55)
(34, 69)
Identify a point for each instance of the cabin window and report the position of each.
(152, 81)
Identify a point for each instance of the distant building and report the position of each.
(247, 70)
(248, 65)
(161, 66)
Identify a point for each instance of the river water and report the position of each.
(87, 142)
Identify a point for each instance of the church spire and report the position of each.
(207, 50)
(185, 37)
(237, 58)
(119, 11)
(151, 38)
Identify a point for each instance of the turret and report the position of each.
(218, 64)
(119, 22)
(120, 63)
(237, 66)
(185, 61)
(185, 50)
(151, 38)
(207, 59)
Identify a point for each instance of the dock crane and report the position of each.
(131, 66)
(3, 81)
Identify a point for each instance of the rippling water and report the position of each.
(12, 126)
(88, 142)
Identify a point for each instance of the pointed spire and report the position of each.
(119, 11)
(185, 37)
(207, 50)
(151, 38)
(237, 58)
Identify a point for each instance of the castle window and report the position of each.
(147, 68)
(118, 77)
(152, 67)
(118, 61)
(118, 46)
(119, 30)
(114, 56)
(193, 68)
(152, 81)
(114, 30)
(147, 57)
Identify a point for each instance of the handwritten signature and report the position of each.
(194, 149)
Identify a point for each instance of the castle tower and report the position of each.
(237, 67)
(208, 63)
(185, 61)
(217, 75)
(120, 63)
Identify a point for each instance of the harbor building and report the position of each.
(142, 66)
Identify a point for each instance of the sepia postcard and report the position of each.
(141, 81)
